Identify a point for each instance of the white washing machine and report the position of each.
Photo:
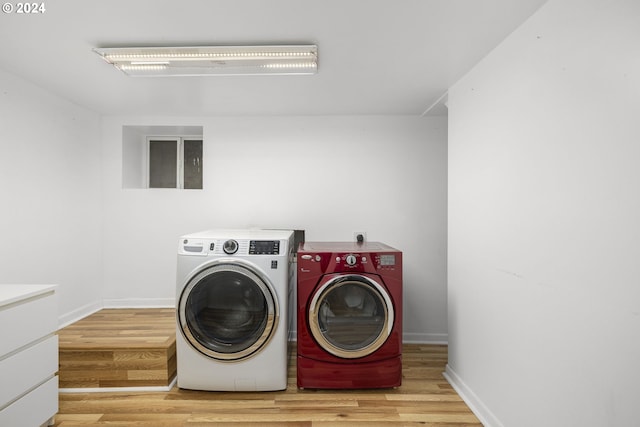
(232, 311)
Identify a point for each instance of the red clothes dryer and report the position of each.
(349, 315)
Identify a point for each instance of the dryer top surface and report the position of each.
(352, 247)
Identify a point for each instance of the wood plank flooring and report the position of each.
(119, 348)
(425, 398)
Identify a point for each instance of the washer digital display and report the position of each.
(264, 247)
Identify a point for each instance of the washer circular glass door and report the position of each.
(351, 316)
(228, 311)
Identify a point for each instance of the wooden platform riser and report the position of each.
(119, 348)
(117, 368)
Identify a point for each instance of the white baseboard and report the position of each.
(484, 414)
(424, 338)
(140, 303)
(80, 313)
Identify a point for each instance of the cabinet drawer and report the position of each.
(26, 321)
(33, 409)
(24, 370)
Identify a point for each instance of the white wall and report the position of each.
(67, 219)
(544, 229)
(133, 158)
(330, 176)
(51, 216)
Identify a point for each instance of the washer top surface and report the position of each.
(253, 234)
(345, 247)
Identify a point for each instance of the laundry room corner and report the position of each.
(52, 205)
(327, 175)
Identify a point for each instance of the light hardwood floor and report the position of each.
(425, 398)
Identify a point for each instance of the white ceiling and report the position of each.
(391, 57)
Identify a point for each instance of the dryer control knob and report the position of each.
(351, 260)
(230, 247)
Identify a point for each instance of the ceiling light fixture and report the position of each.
(212, 60)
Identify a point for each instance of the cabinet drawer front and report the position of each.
(33, 409)
(27, 321)
(24, 370)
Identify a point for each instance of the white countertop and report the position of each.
(10, 294)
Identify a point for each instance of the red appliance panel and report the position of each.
(319, 263)
(383, 374)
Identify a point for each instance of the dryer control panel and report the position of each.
(338, 257)
(385, 261)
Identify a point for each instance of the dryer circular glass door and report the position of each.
(228, 311)
(351, 316)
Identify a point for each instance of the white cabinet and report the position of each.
(28, 355)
